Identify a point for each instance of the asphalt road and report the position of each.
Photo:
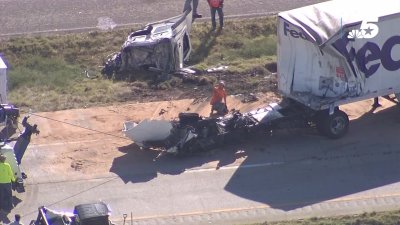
(291, 175)
(28, 16)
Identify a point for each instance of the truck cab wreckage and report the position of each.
(192, 133)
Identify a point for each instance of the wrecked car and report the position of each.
(161, 46)
(192, 133)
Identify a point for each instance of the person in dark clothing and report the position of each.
(24, 139)
(216, 6)
(188, 6)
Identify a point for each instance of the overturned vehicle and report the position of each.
(161, 46)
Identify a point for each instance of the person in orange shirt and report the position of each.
(218, 100)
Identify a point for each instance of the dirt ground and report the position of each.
(85, 141)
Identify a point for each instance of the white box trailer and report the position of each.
(338, 52)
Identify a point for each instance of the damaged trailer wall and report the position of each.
(320, 62)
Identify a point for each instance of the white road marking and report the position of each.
(230, 167)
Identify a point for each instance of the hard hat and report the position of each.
(221, 82)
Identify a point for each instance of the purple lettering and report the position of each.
(363, 58)
(369, 52)
(293, 33)
(387, 48)
(285, 28)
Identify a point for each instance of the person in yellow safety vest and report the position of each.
(6, 180)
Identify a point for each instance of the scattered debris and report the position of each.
(162, 111)
(250, 98)
(187, 70)
(198, 100)
(217, 69)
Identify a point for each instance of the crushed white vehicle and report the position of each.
(192, 133)
(161, 46)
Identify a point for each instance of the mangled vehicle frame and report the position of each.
(161, 46)
(192, 133)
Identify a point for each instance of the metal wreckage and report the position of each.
(161, 46)
(193, 134)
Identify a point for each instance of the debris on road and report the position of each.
(192, 133)
(250, 98)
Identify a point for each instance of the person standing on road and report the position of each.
(188, 6)
(6, 179)
(17, 220)
(216, 6)
(218, 100)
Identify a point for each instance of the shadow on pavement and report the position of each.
(139, 165)
(5, 216)
(315, 169)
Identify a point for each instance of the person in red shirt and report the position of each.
(218, 100)
(216, 6)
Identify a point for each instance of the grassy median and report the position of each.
(49, 72)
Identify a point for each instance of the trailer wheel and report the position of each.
(333, 126)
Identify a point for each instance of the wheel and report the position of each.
(333, 126)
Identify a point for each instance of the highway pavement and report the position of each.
(293, 174)
(20, 17)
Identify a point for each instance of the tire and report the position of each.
(333, 126)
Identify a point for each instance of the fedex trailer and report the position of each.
(334, 53)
